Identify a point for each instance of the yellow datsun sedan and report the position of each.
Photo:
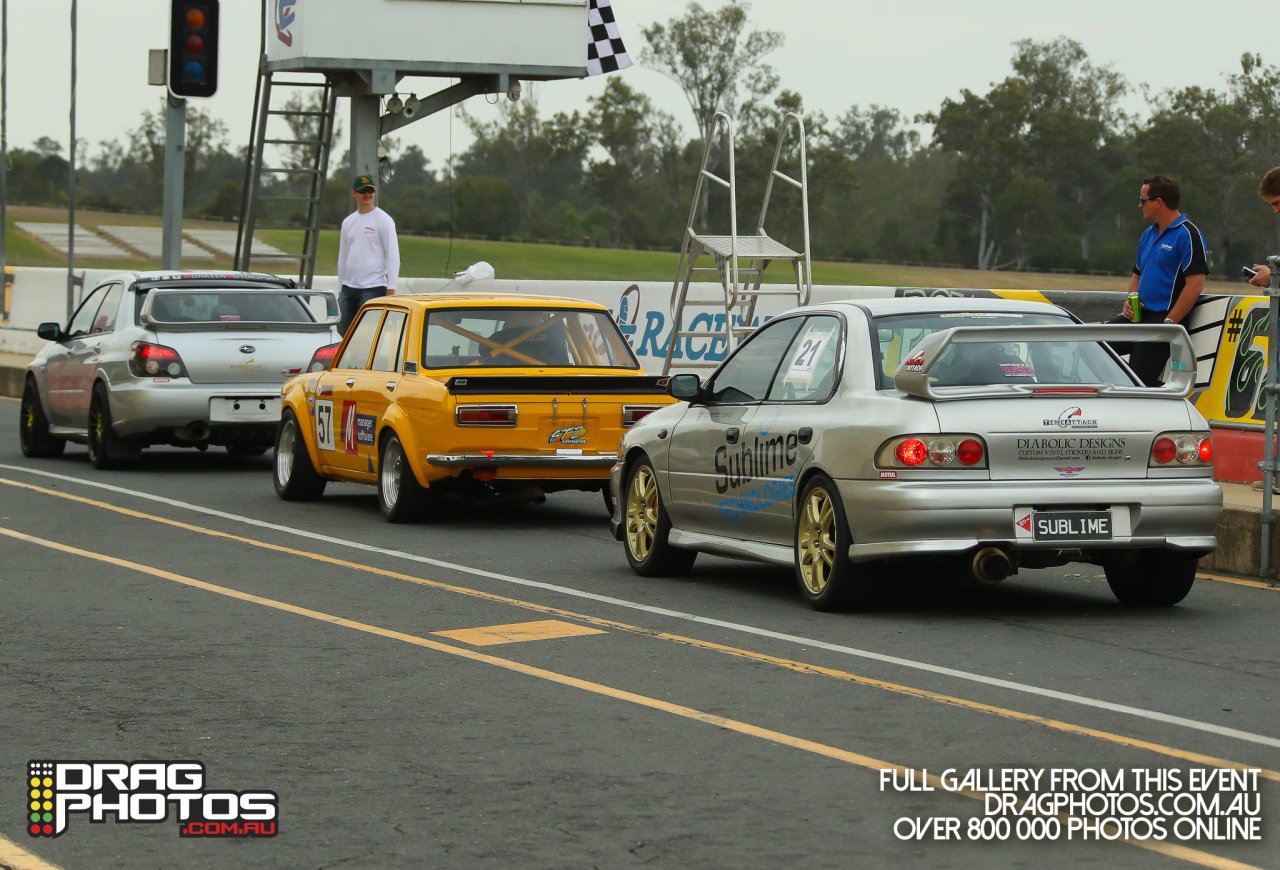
(484, 396)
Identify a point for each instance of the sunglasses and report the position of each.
(1143, 199)
(368, 191)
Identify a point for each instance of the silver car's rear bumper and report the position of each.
(141, 407)
(902, 518)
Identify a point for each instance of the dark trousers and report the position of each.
(350, 300)
(1146, 358)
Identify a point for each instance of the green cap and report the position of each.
(363, 181)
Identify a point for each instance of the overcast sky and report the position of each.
(838, 53)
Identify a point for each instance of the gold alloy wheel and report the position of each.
(642, 513)
(816, 541)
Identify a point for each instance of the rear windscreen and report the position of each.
(524, 337)
(211, 306)
(995, 362)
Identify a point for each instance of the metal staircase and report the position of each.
(741, 284)
(280, 125)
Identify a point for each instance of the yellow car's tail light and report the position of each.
(486, 415)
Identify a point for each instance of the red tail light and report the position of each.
(148, 360)
(969, 452)
(1206, 451)
(912, 452)
(486, 415)
(954, 451)
(323, 358)
(1163, 450)
(633, 414)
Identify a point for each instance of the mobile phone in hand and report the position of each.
(1247, 272)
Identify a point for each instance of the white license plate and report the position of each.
(1071, 525)
(252, 409)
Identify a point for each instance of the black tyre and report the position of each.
(1152, 578)
(295, 478)
(400, 497)
(106, 448)
(246, 449)
(826, 577)
(33, 426)
(646, 528)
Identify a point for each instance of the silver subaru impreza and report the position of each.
(992, 434)
(185, 358)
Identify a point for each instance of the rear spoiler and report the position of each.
(912, 376)
(323, 305)
(580, 384)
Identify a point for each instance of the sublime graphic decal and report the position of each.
(741, 465)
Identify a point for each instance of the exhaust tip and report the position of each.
(991, 565)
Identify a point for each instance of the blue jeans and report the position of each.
(350, 300)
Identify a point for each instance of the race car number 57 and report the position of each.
(324, 425)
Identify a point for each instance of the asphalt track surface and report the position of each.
(179, 611)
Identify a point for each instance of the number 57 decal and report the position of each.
(324, 425)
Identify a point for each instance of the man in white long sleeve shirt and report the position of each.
(368, 253)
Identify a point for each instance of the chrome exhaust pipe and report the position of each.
(196, 432)
(991, 565)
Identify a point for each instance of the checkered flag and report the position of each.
(605, 51)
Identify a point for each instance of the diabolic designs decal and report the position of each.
(285, 17)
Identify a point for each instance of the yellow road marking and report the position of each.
(518, 632)
(835, 753)
(1238, 581)
(14, 857)
(751, 655)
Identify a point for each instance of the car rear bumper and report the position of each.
(143, 407)
(902, 518)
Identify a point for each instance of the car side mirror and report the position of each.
(49, 331)
(685, 387)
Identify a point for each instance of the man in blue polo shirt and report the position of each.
(1168, 275)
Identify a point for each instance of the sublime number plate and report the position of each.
(1071, 525)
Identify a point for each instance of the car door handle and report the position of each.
(805, 434)
(731, 435)
(351, 382)
(391, 385)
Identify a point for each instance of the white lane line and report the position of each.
(1024, 688)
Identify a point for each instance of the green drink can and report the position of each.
(1135, 306)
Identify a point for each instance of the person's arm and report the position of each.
(1190, 295)
(342, 253)
(1263, 276)
(391, 249)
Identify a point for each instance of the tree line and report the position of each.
(1038, 172)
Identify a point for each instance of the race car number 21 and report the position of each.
(324, 425)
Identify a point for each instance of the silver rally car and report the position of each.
(994, 434)
(186, 358)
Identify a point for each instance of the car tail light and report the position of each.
(970, 452)
(486, 415)
(936, 451)
(633, 414)
(323, 358)
(1183, 448)
(912, 452)
(147, 360)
